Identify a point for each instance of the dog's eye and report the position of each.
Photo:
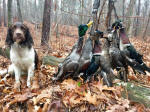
(14, 27)
(23, 28)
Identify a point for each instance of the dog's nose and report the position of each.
(18, 34)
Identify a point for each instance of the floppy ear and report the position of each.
(29, 41)
(9, 40)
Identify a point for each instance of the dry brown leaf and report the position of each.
(69, 84)
(92, 99)
(18, 98)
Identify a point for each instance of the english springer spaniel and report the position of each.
(23, 57)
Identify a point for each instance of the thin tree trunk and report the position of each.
(108, 17)
(100, 13)
(94, 14)
(46, 23)
(10, 20)
(0, 15)
(82, 5)
(4, 12)
(35, 17)
(137, 20)
(144, 34)
(19, 11)
(123, 8)
(56, 8)
(116, 16)
(130, 12)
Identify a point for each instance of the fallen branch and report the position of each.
(46, 60)
(51, 60)
(4, 52)
(136, 93)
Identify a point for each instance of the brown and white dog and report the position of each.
(23, 57)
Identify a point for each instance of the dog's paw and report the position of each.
(17, 86)
(35, 85)
(28, 84)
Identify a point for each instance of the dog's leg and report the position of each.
(11, 69)
(30, 75)
(17, 72)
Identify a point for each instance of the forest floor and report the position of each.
(69, 95)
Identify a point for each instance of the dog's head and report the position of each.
(19, 33)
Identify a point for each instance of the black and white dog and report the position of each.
(23, 57)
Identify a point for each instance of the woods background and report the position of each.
(66, 15)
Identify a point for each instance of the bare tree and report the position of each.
(19, 11)
(130, 12)
(56, 8)
(100, 13)
(46, 23)
(9, 4)
(137, 20)
(81, 6)
(108, 17)
(123, 8)
(4, 12)
(0, 15)
(144, 34)
(111, 7)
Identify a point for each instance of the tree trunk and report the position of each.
(4, 12)
(137, 20)
(100, 13)
(94, 15)
(19, 11)
(0, 15)
(108, 17)
(46, 23)
(130, 12)
(81, 6)
(56, 9)
(116, 16)
(144, 34)
(10, 20)
(123, 8)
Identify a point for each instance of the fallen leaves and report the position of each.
(69, 95)
(18, 98)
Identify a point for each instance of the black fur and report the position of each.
(36, 60)
(9, 40)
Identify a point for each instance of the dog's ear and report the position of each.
(9, 38)
(29, 39)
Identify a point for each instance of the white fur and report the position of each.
(22, 59)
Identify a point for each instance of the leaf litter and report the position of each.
(69, 95)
